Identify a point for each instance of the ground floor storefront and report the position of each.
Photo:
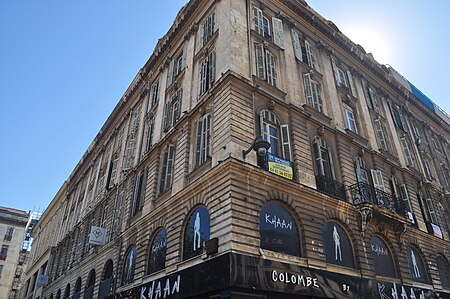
(239, 276)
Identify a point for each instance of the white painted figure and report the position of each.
(337, 244)
(415, 266)
(197, 231)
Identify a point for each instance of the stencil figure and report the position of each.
(197, 231)
(337, 244)
(415, 266)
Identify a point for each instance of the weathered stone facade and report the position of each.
(368, 156)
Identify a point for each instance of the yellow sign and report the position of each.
(280, 167)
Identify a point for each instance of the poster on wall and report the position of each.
(280, 167)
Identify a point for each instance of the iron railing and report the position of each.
(331, 187)
(364, 193)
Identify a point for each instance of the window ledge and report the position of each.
(358, 138)
(317, 115)
(268, 89)
(199, 170)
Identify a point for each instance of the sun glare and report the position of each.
(372, 41)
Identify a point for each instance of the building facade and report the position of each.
(258, 153)
(12, 257)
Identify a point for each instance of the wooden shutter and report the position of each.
(380, 134)
(258, 20)
(166, 115)
(278, 36)
(170, 165)
(170, 73)
(211, 69)
(286, 142)
(308, 89)
(199, 141)
(310, 55)
(296, 44)
(350, 82)
(162, 182)
(377, 178)
(335, 70)
(260, 62)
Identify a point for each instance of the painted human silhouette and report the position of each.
(415, 266)
(337, 244)
(197, 231)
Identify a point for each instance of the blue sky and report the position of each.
(65, 64)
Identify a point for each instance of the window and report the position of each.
(427, 169)
(167, 169)
(445, 175)
(157, 255)
(322, 157)
(401, 196)
(343, 78)
(176, 66)
(338, 249)
(444, 270)
(139, 192)
(382, 137)
(406, 203)
(128, 269)
(416, 266)
(8, 234)
(148, 135)
(278, 230)
(361, 171)
(196, 232)
(261, 23)
(207, 72)
(350, 121)
(111, 181)
(208, 28)
(1, 270)
(435, 144)
(397, 116)
(154, 95)
(130, 148)
(407, 151)
(371, 97)
(382, 258)
(203, 144)
(172, 110)
(266, 65)
(276, 134)
(303, 50)
(312, 93)
(4, 252)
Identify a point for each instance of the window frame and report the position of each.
(207, 72)
(349, 120)
(267, 120)
(166, 175)
(319, 147)
(313, 93)
(203, 139)
(266, 64)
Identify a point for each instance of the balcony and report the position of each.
(364, 193)
(330, 187)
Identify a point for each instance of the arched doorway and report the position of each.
(90, 284)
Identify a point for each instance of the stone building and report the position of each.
(12, 257)
(258, 153)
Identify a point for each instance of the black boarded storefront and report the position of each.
(239, 276)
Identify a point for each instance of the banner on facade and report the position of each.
(97, 235)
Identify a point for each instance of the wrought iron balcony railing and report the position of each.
(331, 187)
(364, 193)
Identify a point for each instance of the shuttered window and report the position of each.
(167, 169)
(312, 93)
(203, 139)
(266, 65)
(207, 72)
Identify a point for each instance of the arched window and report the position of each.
(67, 291)
(196, 232)
(416, 266)
(77, 289)
(58, 294)
(130, 263)
(105, 285)
(361, 170)
(337, 245)
(278, 230)
(51, 296)
(382, 258)
(157, 254)
(322, 157)
(444, 271)
(276, 134)
(90, 284)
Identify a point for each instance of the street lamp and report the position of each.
(260, 146)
